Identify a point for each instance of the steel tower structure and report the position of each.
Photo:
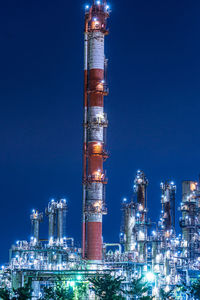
(95, 122)
(168, 205)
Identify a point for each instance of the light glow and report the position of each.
(150, 276)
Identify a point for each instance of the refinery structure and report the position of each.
(145, 248)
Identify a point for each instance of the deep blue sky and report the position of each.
(153, 107)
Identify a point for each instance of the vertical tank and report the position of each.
(168, 205)
(189, 221)
(61, 218)
(129, 226)
(36, 218)
(140, 189)
(51, 213)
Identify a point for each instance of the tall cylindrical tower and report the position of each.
(168, 205)
(51, 213)
(129, 212)
(95, 122)
(36, 218)
(140, 188)
(61, 218)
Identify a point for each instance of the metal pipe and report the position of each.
(114, 245)
(70, 239)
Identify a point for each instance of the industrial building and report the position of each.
(145, 248)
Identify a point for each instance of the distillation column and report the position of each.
(140, 188)
(129, 212)
(61, 218)
(51, 213)
(168, 205)
(167, 224)
(94, 124)
(189, 221)
(36, 219)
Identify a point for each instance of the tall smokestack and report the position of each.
(95, 122)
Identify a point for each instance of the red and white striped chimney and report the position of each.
(95, 122)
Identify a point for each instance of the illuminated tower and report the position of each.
(168, 205)
(129, 212)
(190, 220)
(36, 219)
(140, 188)
(95, 123)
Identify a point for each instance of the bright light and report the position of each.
(150, 276)
(141, 235)
(98, 2)
(167, 289)
(155, 291)
(87, 7)
(79, 277)
(140, 207)
(72, 283)
(168, 279)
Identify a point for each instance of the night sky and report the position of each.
(153, 106)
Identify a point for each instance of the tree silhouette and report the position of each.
(49, 293)
(138, 289)
(107, 287)
(23, 293)
(82, 289)
(166, 295)
(63, 293)
(58, 292)
(4, 294)
(195, 289)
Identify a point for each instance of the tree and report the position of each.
(58, 292)
(63, 293)
(49, 293)
(81, 289)
(4, 294)
(138, 289)
(166, 295)
(23, 293)
(107, 287)
(195, 289)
